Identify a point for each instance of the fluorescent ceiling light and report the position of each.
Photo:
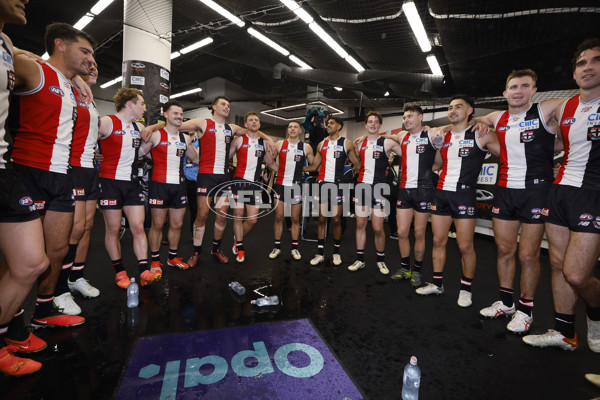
(267, 41)
(354, 63)
(175, 55)
(110, 83)
(196, 90)
(305, 16)
(301, 108)
(386, 94)
(300, 62)
(328, 39)
(339, 89)
(100, 6)
(82, 23)
(434, 66)
(223, 12)
(196, 45)
(292, 5)
(412, 15)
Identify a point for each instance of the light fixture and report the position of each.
(196, 90)
(324, 36)
(197, 45)
(100, 6)
(223, 12)
(386, 94)
(354, 63)
(83, 21)
(301, 108)
(175, 55)
(292, 5)
(267, 41)
(110, 83)
(434, 66)
(412, 15)
(299, 62)
(339, 89)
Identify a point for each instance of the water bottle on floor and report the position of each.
(237, 288)
(133, 291)
(266, 301)
(411, 380)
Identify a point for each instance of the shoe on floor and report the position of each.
(593, 335)
(497, 309)
(57, 319)
(383, 268)
(122, 279)
(241, 256)
(430, 288)
(16, 366)
(274, 253)
(296, 254)
(82, 286)
(464, 299)
(155, 268)
(593, 378)
(416, 279)
(551, 338)
(520, 322)
(318, 259)
(220, 257)
(177, 262)
(66, 303)
(394, 236)
(356, 265)
(193, 260)
(234, 249)
(149, 276)
(32, 344)
(402, 273)
(337, 259)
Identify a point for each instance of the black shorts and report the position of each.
(15, 203)
(288, 194)
(117, 194)
(460, 204)
(213, 185)
(247, 192)
(49, 190)
(419, 199)
(576, 208)
(167, 195)
(371, 196)
(86, 184)
(330, 193)
(524, 205)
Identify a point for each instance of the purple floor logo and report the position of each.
(280, 360)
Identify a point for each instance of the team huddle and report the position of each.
(66, 160)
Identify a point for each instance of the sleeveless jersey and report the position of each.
(373, 161)
(526, 148)
(168, 158)
(291, 161)
(462, 158)
(250, 157)
(85, 135)
(418, 154)
(7, 85)
(333, 158)
(214, 148)
(120, 150)
(45, 117)
(580, 128)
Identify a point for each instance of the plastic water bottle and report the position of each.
(133, 291)
(237, 288)
(411, 380)
(266, 301)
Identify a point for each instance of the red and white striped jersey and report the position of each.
(373, 161)
(291, 160)
(85, 135)
(46, 116)
(333, 158)
(120, 150)
(214, 148)
(580, 127)
(168, 158)
(526, 148)
(418, 154)
(7, 85)
(250, 157)
(462, 158)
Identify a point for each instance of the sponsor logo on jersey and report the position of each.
(503, 128)
(338, 148)
(446, 145)
(83, 105)
(156, 202)
(594, 117)
(119, 132)
(568, 121)
(377, 148)
(213, 130)
(138, 80)
(586, 109)
(421, 140)
(527, 137)
(536, 211)
(466, 142)
(10, 80)
(463, 152)
(26, 201)
(57, 91)
(586, 217)
(164, 143)
(40, 205)
(433, 207)
(78, 192)
(406, 143)
(462, 208)
(594, 133)
(227, 131)
(531, 124)
(201, 190)
(108, 202)
(134, 133)
(495, 210)
(545, 212)
(246, 146)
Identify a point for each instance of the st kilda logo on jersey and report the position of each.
(593, 133)
(10, 80)
(464, 152)
(527, 137)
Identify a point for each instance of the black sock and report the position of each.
(506, 295)
(525, 305)
(61, 285)
(278, 244)
(43, 305)
(76, 272)
(143, 265)
(321, 247)
(172, 253)
(336, 246)
(465, 283)
(198, 249)
(438, 279)
(565, 324)
(239, 246)
(155, 255)
(593, 313)
(216, 245)
(118, 265)
(405, 262)
(380, 256)
(16, 327)
(360, 255)
(294, 245)
(417, 265)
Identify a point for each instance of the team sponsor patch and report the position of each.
(527, 136)
(79, 192)
(531, 124)
(40, 204)
(156, 202)
(495, 210)
(545, 212)
(108, 202)
(471, 210)
(201, 190)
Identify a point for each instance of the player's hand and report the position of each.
(85, 93)
(146, 133)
